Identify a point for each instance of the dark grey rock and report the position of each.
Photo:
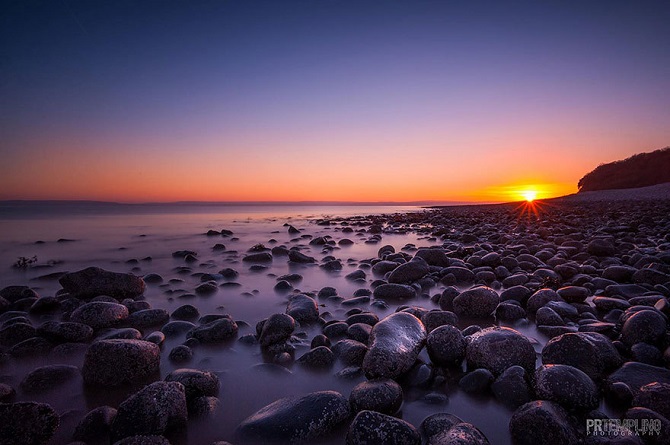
(479, 302)
(320, 357)
(196, 383)
(302, 308)
(7, 393)
(383, 267)
(296, 419)
(156, 409)
(545, 316)
(636, 375)
(359, 332)
(31, 347)
(393, 292)
(435, 319)
(409, 272)
(654, 396)
(115, 362)
(99, 315)
(477, 381)
(175, 328)
(508, 311)
(93, 281)
(512, 388)
(12, 294)
(27, 423)
(370, 427)
(148, 317)
(434, 256)
(540, 298)
(181, 354)
(65, 332)
(542, 422)
(647, 326)
(567, 386)
(446, 346)
(96, 425)
(460, 434)
(350, 352)
(383, 396)
(143, 440)
(214, 332)
(16, 333)
(186, 312)
(277, 328)
(498, 348)
(299, 257)
(47, 378)
(260, 257)
(395, 343)
(591, 352)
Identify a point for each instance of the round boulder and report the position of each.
(479, 302)
(114, 362)
(383, 396)
(567, 386)
(498, 348)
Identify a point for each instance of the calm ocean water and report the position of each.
(141, 239)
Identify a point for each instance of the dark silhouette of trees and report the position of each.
(640, 170)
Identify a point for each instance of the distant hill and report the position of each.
(640, 170)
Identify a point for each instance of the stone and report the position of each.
(96, 425)
(27, 423)
(383, 267)
(395, 343)
(99, 315)
(446, 346)
(185, 312)
(16, 333)
(545, 316)
(215, 331)
(601, 248)
(636, 375)
(434, 256)
(350, 352)
(259, 257)
(65, 332)
(498, 348)
(12, 294)
(647, 326)
(435, 319)
(370, 427)
(512, 388)
(298, 257)
(540, 298)
(382, 395)
(567, 386)
(178, 327)
(409, 272)
(94, 281)
(479, 302)
(181, 354)
(115, 362)
(460, 434)
(148, 317)
(393, 292)
(320, 357)
(591, 352)
(196, 383)
(654, 396)
(47, 378)
(296, 419)
(303, 309)
(508, 311)
(277, 328)
(156, 409)
(143, 440)
(477, 381)
(542, 422)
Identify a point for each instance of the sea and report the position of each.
(140, 239)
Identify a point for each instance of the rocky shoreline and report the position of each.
(591, 278)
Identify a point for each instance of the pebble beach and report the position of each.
(525, 323)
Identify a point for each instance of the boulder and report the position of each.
(382, 395)
(115, 362)
(567, 386)
(94, 281)
(409, 272)
(277, 328)
(590, 352)
(370, 427)
(636, 375)
(395, 343)
(394, 292)
(479, 302)
(542, 422)
(196, 383)
(96, 425)
(100, 314)
(48, 377)
(27, 423)
(154, 410)
(303, 309)
(215, 331)
(296, 419)
(446, 346)
(65, 332)
(498, 348)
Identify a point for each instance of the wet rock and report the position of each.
(96, 425)
(446, 346)
(433, 256)
(303, 309)
(64, 332)
(154, 410)
(646, 326)
(540, 298)
(320, 340)
(350, 352)
(371, 427)
(461, 433)
(196, 383)
(542, 422)
(438, 423)
(383, 267)
(277, 328)
(12, 294)
(509, 311)
(435, 319)
(409, 272)
(335, 329)
(498, 348)
(98, 314)
(27, 423)
(48, 378)
(148, 317)
(115, 362)
(359, 332)
(203, 406)
(156, 337)
(395, 343)
(620, 274)
(320, 357)
(296, 419)
(661, 435)
(185, 312)
(383, 396)
(368, 318)
(601, 248)
(175, 328)
(650, 276)
(393, 292)
(214, 332)
(636, 375)
(260, 257)
(573, 294)
(512, 388)
(590, 352)
(16, 333)
(181, 354)
(44, 305)
(545, 316)
(355, 275)
(7, 393)
(153, 278)
(479, 302)
(462, 276)
(567, 386)
(119, 334)
(31, 347)
(299, 257)
(477, 381)
(143, 440)
(93, 281)
(656, 397)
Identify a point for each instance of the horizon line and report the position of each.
(243, 203)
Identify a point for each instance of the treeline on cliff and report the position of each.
(640, 170)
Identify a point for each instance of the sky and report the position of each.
(326, 100)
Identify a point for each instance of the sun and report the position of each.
(529, 195)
